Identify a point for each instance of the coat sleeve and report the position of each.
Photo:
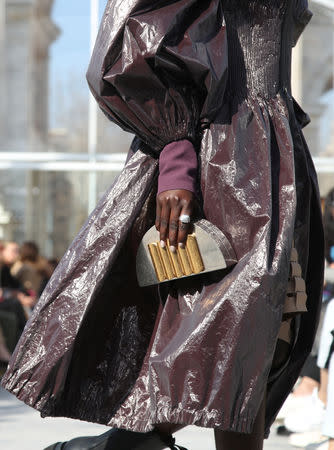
(159, 69)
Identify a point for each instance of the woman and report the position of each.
(212, 77)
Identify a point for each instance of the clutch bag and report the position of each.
(207, 249)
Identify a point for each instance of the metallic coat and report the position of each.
(199, 351)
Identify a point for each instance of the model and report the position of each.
(213, 78)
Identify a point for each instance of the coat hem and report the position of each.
(200, 418)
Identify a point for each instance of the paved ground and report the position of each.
(21, 428)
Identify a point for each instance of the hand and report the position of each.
(26, 300)
(170, 205)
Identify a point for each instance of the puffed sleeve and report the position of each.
(159, 69)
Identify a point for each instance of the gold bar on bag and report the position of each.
(163, 252)
(175, 262)
(194, 254)
(187, 269)
(157, 263)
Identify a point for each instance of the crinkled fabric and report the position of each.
(155, 70)
(197, 351)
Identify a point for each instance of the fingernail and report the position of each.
(172, 249)
(162, 244)
(181, 245)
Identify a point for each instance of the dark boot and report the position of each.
(117, 439)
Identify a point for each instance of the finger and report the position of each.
(174, 226)
(158, 214)
(183, 229)
(164, 221)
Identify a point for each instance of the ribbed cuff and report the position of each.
(178, 167)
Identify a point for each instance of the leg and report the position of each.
(328, 425)
(322, 394)
(227, 440)
(305, 387)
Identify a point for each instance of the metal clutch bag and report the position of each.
(207, 249)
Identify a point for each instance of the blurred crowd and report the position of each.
(24, 274)
(307, 416)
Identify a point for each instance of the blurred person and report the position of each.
(9, 255)
(326, 393)
(306, 420)
(329, 227)
(30, 268)
(309, 389)
(14, 300)
(326, 364)
(310, 374)
(205, 87)
(301, 396)
(49, 268)
(328, 426)
(4, 352)
(12, 311)
(306, 391)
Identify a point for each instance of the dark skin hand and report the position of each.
(170, 205)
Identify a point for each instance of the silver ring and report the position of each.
(184, 218)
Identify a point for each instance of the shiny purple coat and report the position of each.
(98, 347)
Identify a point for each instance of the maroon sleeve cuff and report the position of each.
(178, 167)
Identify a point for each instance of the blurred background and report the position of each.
(58, 152)
(50, 138)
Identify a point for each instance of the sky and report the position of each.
(69, 54)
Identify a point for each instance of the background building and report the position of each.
(46, 206)
(27, 32)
